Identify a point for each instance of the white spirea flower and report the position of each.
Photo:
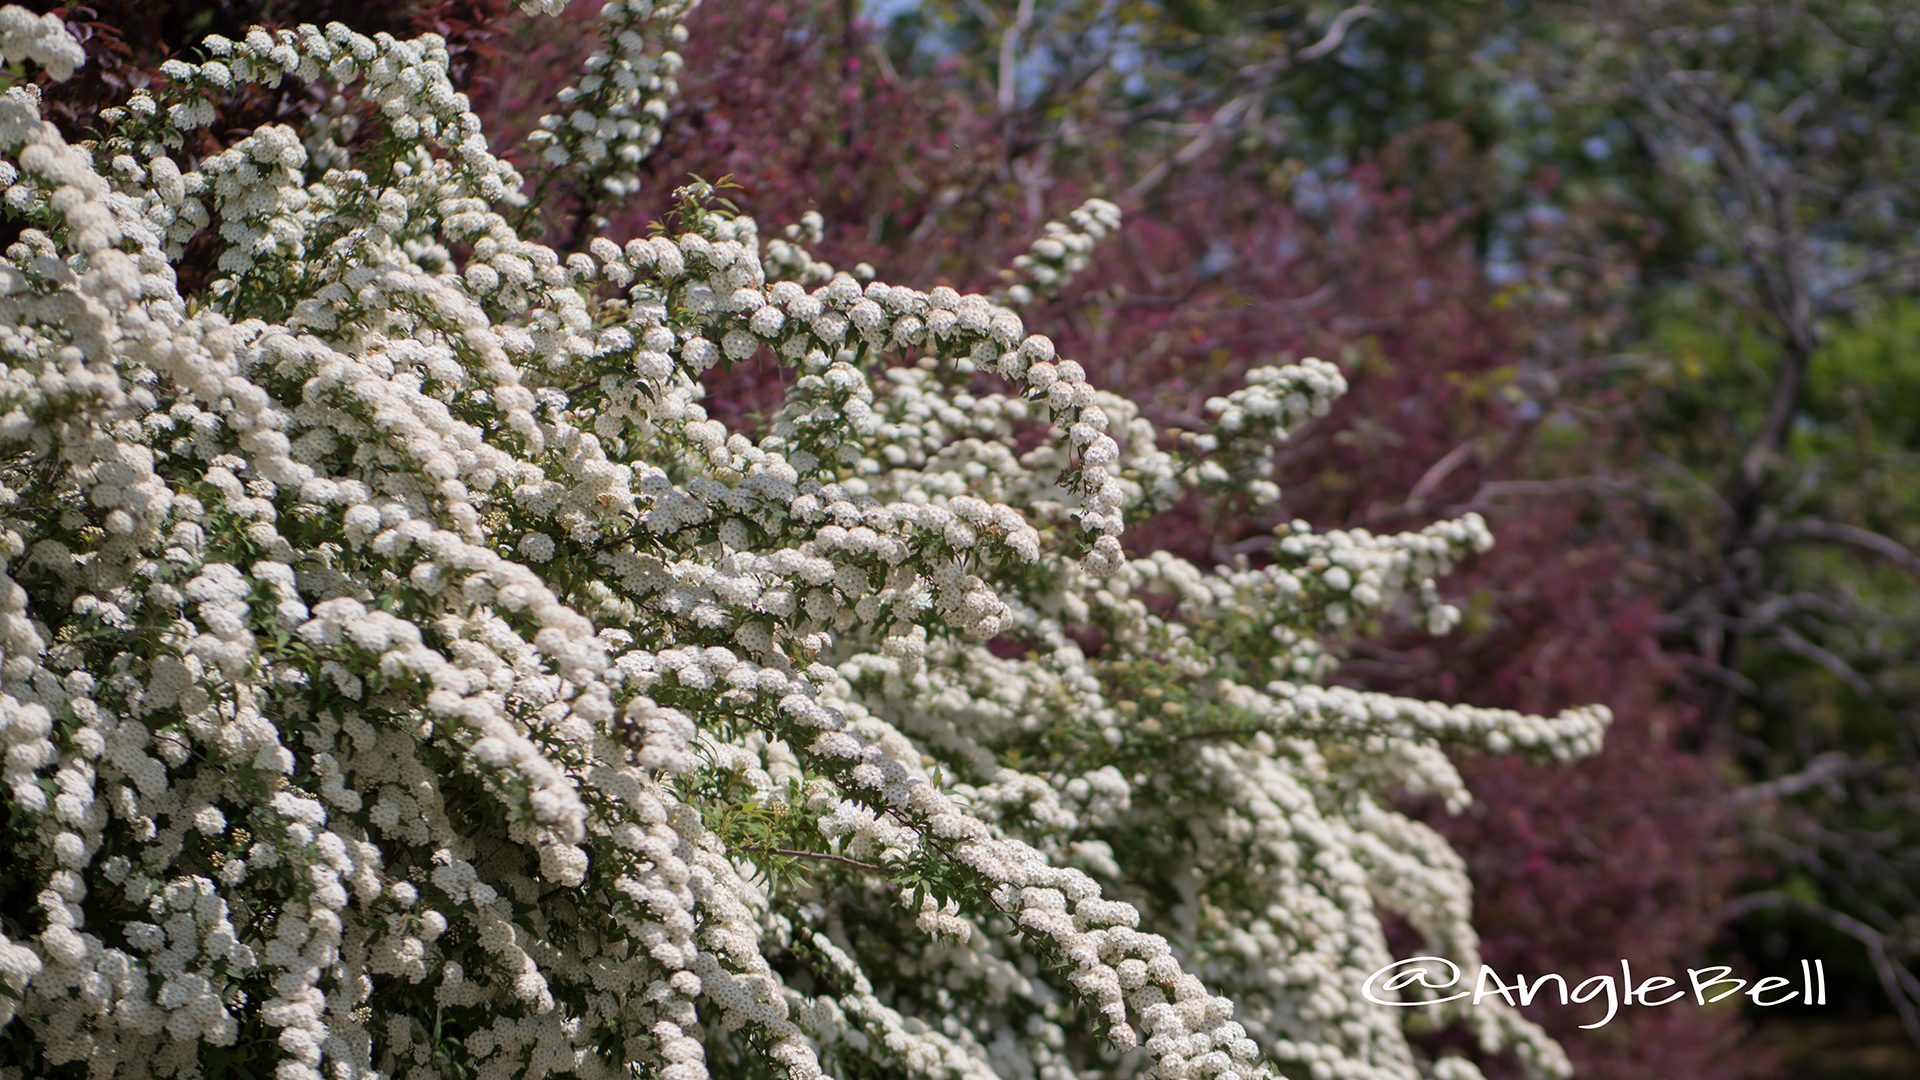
(397, 659)
(614, 114)
(1060, 254)
(42, 39)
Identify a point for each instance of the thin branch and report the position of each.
(1831, 765)
(1899, 983)
(822, 856)
(1836, 532)
(1010, 55)
(1827, 660)
(1222, 118)
(1337, 32)
(1438, 473)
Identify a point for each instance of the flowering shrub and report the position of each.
(401, 674)
(1626, 855)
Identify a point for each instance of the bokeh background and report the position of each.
(1635, 280)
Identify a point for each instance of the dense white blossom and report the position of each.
(41, 39)
(613, 115)
(402, 674)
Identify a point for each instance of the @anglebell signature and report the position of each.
(1430, 977)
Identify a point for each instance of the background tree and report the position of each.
(1772, 150)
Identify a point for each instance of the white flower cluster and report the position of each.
(788, 257)
(39, 39)
(617, 110)
(1238, 452)
(402, 675)
(1061, 252)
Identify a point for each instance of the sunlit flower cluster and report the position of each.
(403, 675)
(616, 111)
(1061, 252)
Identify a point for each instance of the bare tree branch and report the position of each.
(1839, 532)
